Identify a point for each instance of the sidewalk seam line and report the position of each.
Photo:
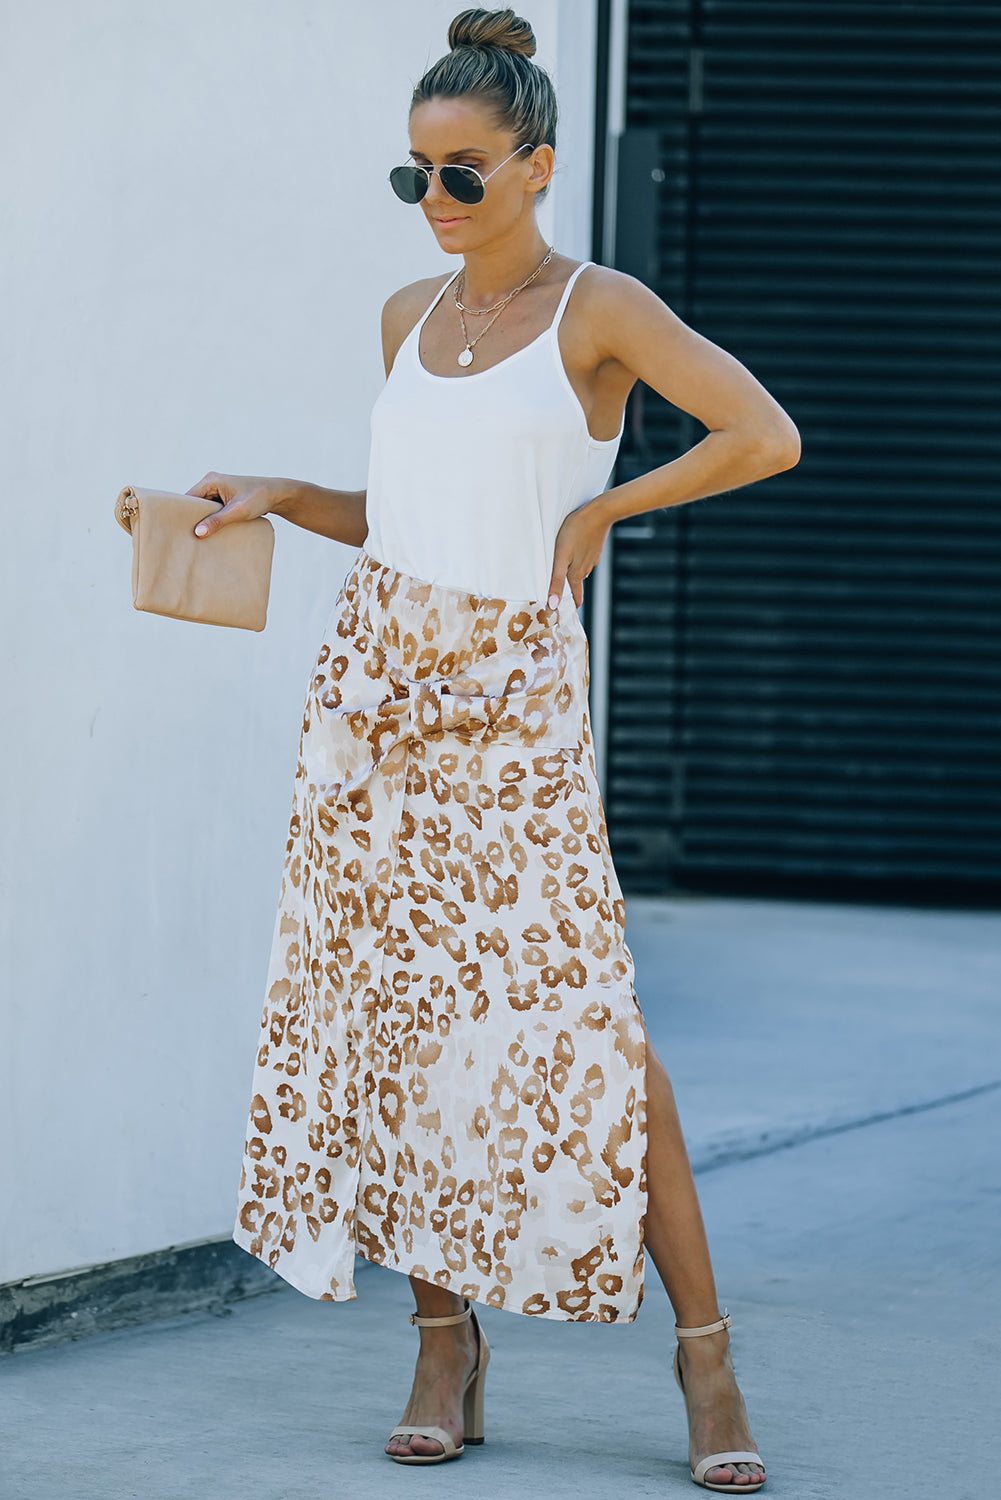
(726, 1155)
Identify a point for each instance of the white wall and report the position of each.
(196, 240)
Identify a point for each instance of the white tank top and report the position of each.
(471, 476)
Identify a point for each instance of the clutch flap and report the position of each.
(135, 498)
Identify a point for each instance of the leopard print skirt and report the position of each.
(450, 1078)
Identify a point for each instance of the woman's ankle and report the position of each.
(709, 1352)
(436, 1301)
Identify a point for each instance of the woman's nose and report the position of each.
(436, 193)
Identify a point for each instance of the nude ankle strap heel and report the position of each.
(472, 1399)
(716, 1459)
(697, 1333)
(462, 1317)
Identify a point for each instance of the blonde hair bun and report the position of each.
(492, 28)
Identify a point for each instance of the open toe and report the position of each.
(430, 1435)
(728, 1461)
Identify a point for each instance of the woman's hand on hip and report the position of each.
(579, 544)
(244, 497)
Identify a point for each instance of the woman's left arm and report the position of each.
(750, 435)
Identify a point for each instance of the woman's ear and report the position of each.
(543, 166)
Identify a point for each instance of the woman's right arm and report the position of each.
(338, 514)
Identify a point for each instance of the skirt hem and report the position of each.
(554, 1315)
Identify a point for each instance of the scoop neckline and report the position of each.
(477, 374)
(552, 328)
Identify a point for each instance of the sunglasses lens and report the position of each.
(409, 183)
(462, 184)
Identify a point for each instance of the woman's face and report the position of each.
(463, 132)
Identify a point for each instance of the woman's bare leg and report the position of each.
(445, 1362)
(675, 1240)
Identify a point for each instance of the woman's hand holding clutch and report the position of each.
(244, 497)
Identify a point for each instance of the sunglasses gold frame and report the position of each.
(413, 172)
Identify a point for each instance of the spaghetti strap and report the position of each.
(435, 300)
(568, 289)
(554, 324)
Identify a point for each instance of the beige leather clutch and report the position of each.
(216, 580)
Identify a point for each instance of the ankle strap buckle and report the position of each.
(419, 1322)
(694, 1333)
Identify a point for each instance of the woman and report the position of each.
(454, 1075)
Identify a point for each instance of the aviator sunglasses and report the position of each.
(464, 184)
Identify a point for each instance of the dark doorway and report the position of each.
(805, 675)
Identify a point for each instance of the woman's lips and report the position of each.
(446, 221)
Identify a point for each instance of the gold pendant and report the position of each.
(466, 357)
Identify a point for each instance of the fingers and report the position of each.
(219, 518)
(571, 563)
(575, 582)
(241, 497)
(210, 487)
(563, 574)
(216, 487)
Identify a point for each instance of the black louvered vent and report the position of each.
(806, 673)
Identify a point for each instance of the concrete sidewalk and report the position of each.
(860, 1264)
(825, 1015)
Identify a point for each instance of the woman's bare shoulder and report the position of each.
(403, 309)
(614, 314)
(417, 294)
(608, 294)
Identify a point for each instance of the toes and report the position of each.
(736, 1474)
(416, 1446)
(425, 1447)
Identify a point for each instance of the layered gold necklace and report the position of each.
(466, 357)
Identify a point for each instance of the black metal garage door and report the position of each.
(805, 686)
